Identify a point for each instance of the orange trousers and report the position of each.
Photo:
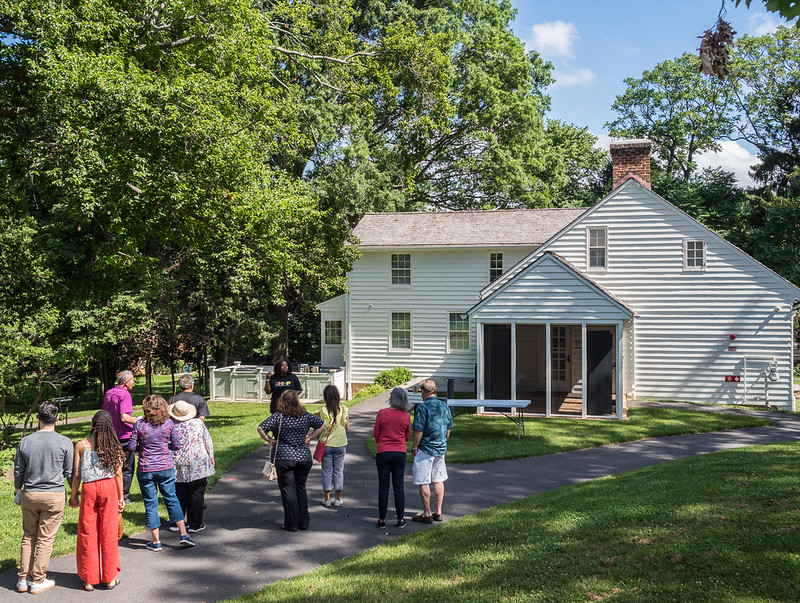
(97, 554)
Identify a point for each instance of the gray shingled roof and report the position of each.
(494, 228)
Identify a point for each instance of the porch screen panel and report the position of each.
(558, 353)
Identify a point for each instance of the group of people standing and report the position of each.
(171, 444)
(290, 429)
(176, 456)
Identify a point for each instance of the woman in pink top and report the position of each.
(392, 430)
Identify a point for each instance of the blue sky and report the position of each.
(594, 45)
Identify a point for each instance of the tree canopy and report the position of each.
(179, 179)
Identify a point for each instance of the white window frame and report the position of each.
(392, 269)
(450, 333)
(687, 253)
(493, 268)
(590, 247)
(328, 330)
(410, 347)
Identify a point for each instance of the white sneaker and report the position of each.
(337, 502)
(22, 586)
(327, 503)
(40, 587)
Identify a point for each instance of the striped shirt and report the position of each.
(154, 444)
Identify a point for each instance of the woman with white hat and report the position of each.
(194, 462)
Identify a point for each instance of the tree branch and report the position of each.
(321, 57)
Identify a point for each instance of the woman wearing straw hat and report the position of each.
(194, 462)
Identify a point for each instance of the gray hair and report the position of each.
(123, 377)
(399, 399)
(185, 381)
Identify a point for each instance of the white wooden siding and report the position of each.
(332, 309)
(443, 281)
(684, 317)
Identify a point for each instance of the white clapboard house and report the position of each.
(567, 307)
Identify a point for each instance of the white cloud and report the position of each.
(603, 141)
(733, 158)
(573, 77)
(554, 39)
(761, 25)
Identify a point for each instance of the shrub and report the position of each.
(397, 376)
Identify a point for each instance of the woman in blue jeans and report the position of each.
(392, 430)
(337, 422)
(290, 427)
(153, 438)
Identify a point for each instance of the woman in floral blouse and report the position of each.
(194, 462)
(290, 427)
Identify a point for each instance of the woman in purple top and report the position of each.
(153, 438)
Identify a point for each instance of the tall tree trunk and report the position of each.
(280, 345)
(172, 371)
(148, 374)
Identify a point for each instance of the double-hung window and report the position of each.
(495, 266)
(333, 332)
(694, 255)
(400, 331)
(401, 268)
(458, 331)
(597, 248)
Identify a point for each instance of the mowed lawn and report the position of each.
(232, 426)
(716, 527)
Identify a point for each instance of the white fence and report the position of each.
(246, 382)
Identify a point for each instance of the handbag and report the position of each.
(269, 472)
(319, 451)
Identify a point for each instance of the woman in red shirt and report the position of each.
(392, 430)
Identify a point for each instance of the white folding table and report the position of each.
(518, 417)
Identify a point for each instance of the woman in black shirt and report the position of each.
(279, 381)
(288, 428)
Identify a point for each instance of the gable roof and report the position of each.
(512, 272)
(565, 267)
(496, 228)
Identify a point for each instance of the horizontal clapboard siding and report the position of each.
(684, 318)
(442, 281)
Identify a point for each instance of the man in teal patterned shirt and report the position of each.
(432, 425)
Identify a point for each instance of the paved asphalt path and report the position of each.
(244, 548)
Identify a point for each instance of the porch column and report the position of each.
(548, 370)
(620, 370)
(513, 361)
(481, 367)
(584, 371)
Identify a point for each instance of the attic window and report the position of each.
(597, 248)
(401, 268)
(694, 255)
(495, 266)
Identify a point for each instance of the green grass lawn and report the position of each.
(491, 438)
(232, 427)
(716, 527)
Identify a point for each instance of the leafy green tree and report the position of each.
(479, 141)
(788, 9)
(682, 111)
(765, 78)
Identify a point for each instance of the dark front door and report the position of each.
(600, 364)
(497, 360)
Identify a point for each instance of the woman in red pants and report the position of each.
(98, 463)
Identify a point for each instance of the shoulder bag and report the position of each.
(319, 451)
(269, 470)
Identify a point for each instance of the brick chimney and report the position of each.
(630, 159)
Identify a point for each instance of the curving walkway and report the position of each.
(244, 548)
